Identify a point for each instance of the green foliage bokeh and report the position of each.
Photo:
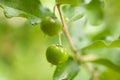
(93, 26)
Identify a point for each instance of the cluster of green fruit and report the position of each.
(55, 54)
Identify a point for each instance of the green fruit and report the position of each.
(56, 54)
(50, 26)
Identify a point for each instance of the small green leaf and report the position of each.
(71, 2)
(73, 13)
(76, 17)
(101, 44)
(115, 44)
(66, 71)
(107, 63)
(102, 61)
(32, 9)
(95, 12)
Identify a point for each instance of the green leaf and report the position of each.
(103, 61)
(76, 17)
(94, 11)
(108, 75)
(73, 13)
(107, 63)
(115, 43)
(66, 71)
(71, 2)
(31, 9)
(101, 44)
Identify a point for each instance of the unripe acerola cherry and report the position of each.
(56, 54)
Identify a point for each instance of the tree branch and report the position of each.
(74, 50)
(66, 33)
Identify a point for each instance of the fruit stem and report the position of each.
(54, 10)
(66, 32)
(60, 42)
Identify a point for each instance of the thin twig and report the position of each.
(78, 56)
(66, 32)
(95, 74)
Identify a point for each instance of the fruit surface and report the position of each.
(56, 54)
(50, 26)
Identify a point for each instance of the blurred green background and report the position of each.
(23, 45)
(22, 50)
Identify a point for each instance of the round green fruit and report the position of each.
(51, 26)
(56, 54)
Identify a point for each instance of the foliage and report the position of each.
(93, 26)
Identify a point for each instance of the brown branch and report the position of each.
(95, 73)
(74, 50)
(66, 33)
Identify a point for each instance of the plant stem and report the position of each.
(95, 73)
(66, 32)
(54, 9)
(60, 39)
(74, 50)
